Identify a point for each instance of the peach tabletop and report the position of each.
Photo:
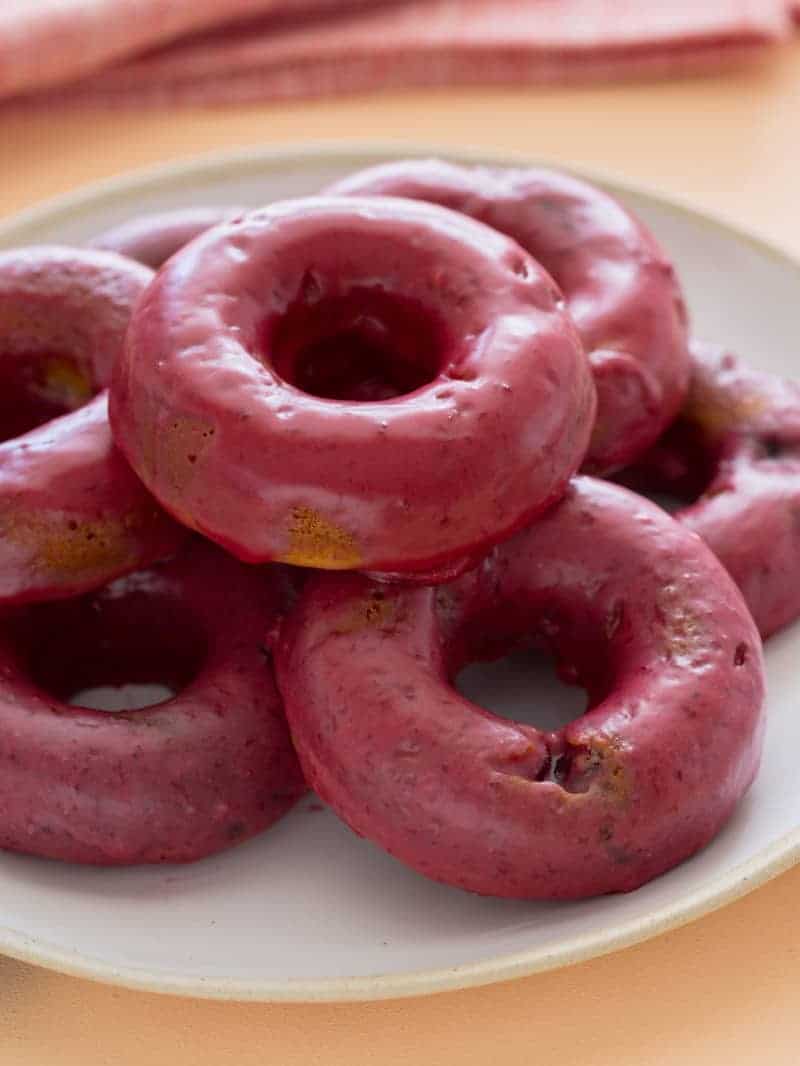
(723, 990)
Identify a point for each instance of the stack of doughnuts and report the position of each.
(300, 465)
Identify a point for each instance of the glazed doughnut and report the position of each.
(735, 451)
(72, 513)
(168, 783)
(620, 288)
(365, 384)
(152, 239)
(636, 609)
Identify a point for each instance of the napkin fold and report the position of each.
(181, 52)
(46, 42)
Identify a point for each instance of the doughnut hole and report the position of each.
(677, 470)
(37, 386)
(365, 345)
(133, 644)
(543, 668)
(524, 686)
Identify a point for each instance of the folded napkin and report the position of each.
(293, 48)
(47, 42)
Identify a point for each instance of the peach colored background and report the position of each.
(723, 990)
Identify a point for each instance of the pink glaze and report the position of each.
(636, 610)
(621, 289)
(169, 783)
(152, 239)
(72, 513)
(66, 311)
(735, 450)
(453, 399)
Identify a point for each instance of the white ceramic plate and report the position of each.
(309, 911)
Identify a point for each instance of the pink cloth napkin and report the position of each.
(293, 48)
(46, 42)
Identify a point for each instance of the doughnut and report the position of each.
(152, 239)
(173, 782)
(620, 288)
(72, 513)
(735, 452)
(369, 384)
(636, 610)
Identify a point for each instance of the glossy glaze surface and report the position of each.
(204, 406)
(169, 783)
(152, 239)
(63, 313)
(735, 451)
(620, 287)
(636, 610)
(72, 513)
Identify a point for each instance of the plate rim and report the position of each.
(768, 863)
